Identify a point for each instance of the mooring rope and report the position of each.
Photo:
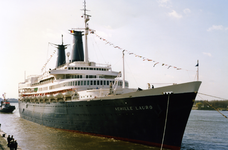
(213, 106)
(212, 96)
(167, 109)
(216, 109)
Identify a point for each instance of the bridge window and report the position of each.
(90, 76)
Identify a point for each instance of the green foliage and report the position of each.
(199, 105)
(203, 104)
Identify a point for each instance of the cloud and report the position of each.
(187, 10)
(164, 3)
(207, 54)
(217, 27)
(175, 14)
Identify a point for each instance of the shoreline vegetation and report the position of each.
(221, 105)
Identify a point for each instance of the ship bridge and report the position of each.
(85, 69)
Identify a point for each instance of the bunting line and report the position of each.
(139, 56)
(127, 51)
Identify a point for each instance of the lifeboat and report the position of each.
(52, 98)
(68, 95)
(59, 97)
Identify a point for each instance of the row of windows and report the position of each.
(42, 89)
(68, 76)
(87, 83)
(87, 68)
(75, 83)
(43, 82)
(90, 82)
(91, 76)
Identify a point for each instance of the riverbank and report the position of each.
(3, 141)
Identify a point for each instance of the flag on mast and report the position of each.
(197, 65)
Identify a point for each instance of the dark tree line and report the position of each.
(218, 104)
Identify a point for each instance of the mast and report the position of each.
(4, 96)
(123, 72)
(197, 65)
(62, 39)
(86, 18)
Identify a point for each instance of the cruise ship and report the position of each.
(82, 96)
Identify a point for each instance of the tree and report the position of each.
(199, 105)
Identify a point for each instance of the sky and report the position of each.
(175, 33)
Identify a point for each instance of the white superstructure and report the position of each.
(69, 79)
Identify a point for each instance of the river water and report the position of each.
(205, 130)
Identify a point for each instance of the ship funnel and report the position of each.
(77, 48)
(61, 58)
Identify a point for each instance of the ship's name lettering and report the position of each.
(146, 107)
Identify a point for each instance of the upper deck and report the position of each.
(77, 75)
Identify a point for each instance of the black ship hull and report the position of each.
(8, 109)
(136, 119)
